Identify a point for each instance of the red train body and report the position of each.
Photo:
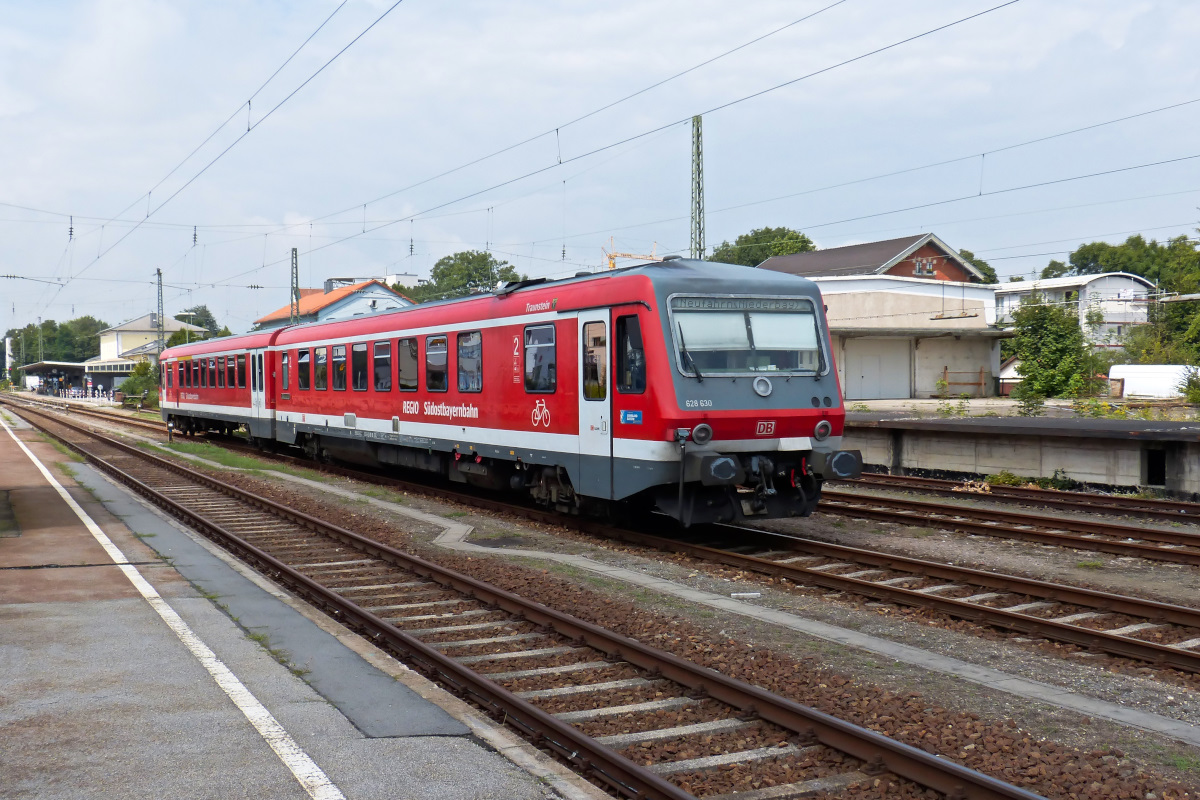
(704, 390)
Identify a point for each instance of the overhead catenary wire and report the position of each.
(247, 132)
(663, 127)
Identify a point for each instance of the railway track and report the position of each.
(1090, 502)
(1161, 634)
(608, 705)
(1179, 547)
(76, 410)
(1144, 630)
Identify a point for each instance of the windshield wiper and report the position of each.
(683, 351)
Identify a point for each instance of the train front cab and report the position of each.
(745, 408)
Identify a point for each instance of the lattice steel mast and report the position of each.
(294, 318)
(697, 188)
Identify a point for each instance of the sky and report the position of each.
(208, 139)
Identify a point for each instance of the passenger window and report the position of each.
(212, 373)
(595, 361)
(407, 359)
(540, 367)
(221, 372)
(302, 369)
(339, 368)
(204, 374)
(241, 370)
(470, 362)
(631, 356)
(436, 354)
(321, 370)
(230, 373)
(194, 372)
(383, 366)
(358, 366)
(285, 364)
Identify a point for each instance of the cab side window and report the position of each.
(285, 363)
(631, 356)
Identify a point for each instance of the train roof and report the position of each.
(666, 277)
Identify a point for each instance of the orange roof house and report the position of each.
(343, 302)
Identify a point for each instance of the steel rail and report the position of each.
(1125, 646)
(1038, 528)
(1166, 510)
(878, 751)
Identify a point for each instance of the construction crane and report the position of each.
(612, 255)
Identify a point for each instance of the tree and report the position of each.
(463, 273)
(199, 315)
(1055, 269)
(75, 340)
(1054, 358)
(753, 248)
(1015, 278)
(989, 274)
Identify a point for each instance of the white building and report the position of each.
(905, 316)
(897, 337)
(1122, 299)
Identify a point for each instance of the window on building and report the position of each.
(241, 370)
(303, 370)
(358, 366)
(407, 359)
(470, 362)
(595, 361)
(383, 366)
(540, 356)
(285, 363)
(631, 356)
(339, 368)
(437, 352)
(320, 369)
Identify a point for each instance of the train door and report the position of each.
(258, 393)
(595, 406)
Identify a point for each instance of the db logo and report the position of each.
(765, 428)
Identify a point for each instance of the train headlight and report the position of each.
(702, 434)
(822, 431)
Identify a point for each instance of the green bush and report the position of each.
(1005, 478)
(144, 378)
(1190, 387)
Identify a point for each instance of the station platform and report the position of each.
(138, 660)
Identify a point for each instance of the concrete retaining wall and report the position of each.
(1108, 462)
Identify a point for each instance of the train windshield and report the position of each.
(744, 335)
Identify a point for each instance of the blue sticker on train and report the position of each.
(631, 417)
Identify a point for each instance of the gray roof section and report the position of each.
(871, 258)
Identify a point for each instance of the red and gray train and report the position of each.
(706, 391)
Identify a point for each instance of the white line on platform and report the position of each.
(311, 777)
